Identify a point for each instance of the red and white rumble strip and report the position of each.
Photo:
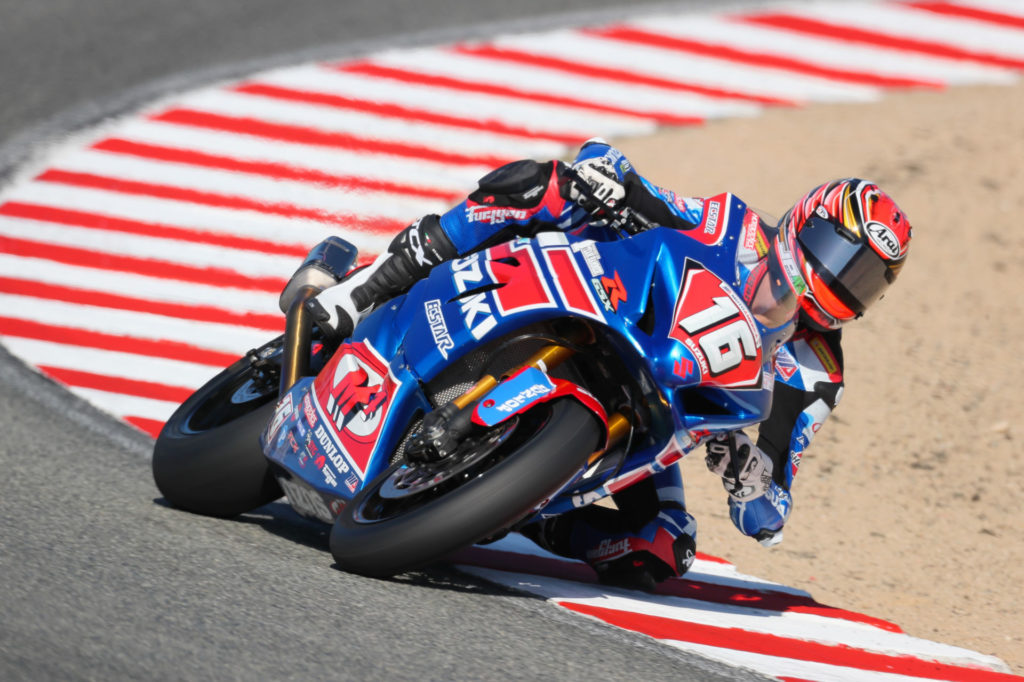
(140, 258)
(719, 613)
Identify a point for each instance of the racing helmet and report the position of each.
(842, 244)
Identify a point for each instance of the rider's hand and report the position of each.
(732, 452)
(603, 182)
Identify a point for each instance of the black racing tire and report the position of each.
(207, 458)
(554, 448)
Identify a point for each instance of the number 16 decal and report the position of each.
(717, 328)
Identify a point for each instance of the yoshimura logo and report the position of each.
(517, 401)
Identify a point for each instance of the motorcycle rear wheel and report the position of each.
(207, 458)
(378, 535)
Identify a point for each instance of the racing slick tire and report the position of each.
(207, 458)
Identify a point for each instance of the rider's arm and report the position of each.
(808, 385)
(518, 199)
(524, 197)
(657, 204)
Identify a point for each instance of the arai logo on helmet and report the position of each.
(884, 238)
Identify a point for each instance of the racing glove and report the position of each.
(758, 506)
(603, 188)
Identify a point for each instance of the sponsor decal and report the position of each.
(792, 270)
(354, 392)
(305, 500)
(476, 213)
(610, 290)
(718, 329)
(761, 247)
(311, 451)
(282, 412)
(513, 395)
(332, 452)
(821, 349)
(884, 239)
(476, 312)
(785, 364)
(438, 328)
(309, 411)
(591, 257)
(711, 222)
(683, 368)
(614, 288)
(601, 294)
(524, 396)
(609, 549)
(753, 236)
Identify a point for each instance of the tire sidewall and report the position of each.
(220, 471)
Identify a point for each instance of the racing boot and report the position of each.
(410, 257)
(634, 558)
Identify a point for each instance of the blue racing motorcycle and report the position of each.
(519, 382)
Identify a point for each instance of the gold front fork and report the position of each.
(547, 359)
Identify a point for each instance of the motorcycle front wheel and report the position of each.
(207, 458)
(413, 514)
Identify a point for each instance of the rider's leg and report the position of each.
(649, 538)
(409, 258)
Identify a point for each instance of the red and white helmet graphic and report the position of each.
(849, 240)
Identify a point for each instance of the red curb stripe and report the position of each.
(72, 336)
(63, 216)
(407, 76)
(149, 426)
(141, 266)
(607, 73)
(103, 382)
(401, 112)
(854, 35)
(321, 138)
(714, 559)
(634, 35)
(102, 299)
(950, 9)
(110, 184)
(737, 639)
(729, 595)
(278, 171)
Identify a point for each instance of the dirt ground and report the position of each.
(908, 505)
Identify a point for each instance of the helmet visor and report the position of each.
(849, 268)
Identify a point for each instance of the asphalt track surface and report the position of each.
(100, 580)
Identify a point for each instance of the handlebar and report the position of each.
(619, 218)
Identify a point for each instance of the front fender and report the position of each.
(527, 388)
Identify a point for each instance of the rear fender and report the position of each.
(527, 388)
